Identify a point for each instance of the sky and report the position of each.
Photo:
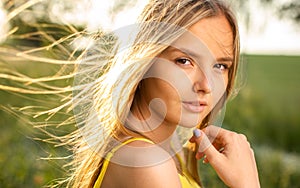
(267, 34)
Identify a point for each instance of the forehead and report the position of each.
(216, 33)
(210, 38)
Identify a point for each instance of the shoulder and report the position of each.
(141, 164)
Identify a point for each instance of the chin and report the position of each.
(191, 120)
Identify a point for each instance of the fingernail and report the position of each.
(197, 133)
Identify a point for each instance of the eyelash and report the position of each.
(225, 66)
(179, 61)
(182, 61)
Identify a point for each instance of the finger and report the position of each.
(205, 146)
(214, 133)
(243, 137)
(197, 138)
(201, 139)
(212, 137)
(218, 136)
(212, 155)
(199, 155)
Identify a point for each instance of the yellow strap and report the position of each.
(110, 155)
(126, 142)
(188, 182)
(185, 178)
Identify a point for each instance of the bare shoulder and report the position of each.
(141, 164)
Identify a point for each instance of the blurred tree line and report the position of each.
(28, 16)
(289, 10)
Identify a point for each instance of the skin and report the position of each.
(235, 164)
(194, 69)
(175, 77)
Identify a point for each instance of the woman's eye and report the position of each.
(183, 61)
(221, 67)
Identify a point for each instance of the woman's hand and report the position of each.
(229, 154)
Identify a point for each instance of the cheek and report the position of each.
(168, 79)
(162, 100)
(157, 88)
(226, 80)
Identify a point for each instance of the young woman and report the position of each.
(177, 73)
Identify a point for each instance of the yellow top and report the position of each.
(186, 180)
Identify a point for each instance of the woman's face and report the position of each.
(190, 76)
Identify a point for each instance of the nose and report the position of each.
(202, 83)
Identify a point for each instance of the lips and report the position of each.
(194, 106)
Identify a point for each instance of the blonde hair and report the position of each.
(114, 93)
(106, 83)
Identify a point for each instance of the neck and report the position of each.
(149, 124)
(141, 122)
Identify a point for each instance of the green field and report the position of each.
(266, 110)
(269, 103)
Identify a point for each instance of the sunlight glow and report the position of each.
(269, 35)
(3, 24)
(94, 14)
(266, 35)
(77, 13)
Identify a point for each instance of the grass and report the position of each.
(267, 107)
(266, 110)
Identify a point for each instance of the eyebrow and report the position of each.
(185, 51)
(225, 59)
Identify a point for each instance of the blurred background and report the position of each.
(38, 38)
